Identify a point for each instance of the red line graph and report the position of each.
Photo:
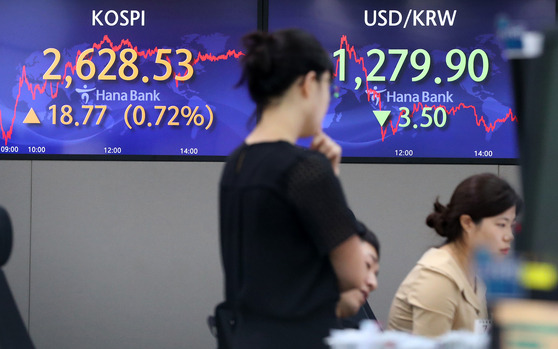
(479, 119)
(41, 88)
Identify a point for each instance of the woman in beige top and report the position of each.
(442, 292)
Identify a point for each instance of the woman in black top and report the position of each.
(289, 242)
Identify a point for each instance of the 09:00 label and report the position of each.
(9, 149)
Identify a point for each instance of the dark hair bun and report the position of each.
(258, 52)
(437, 219)
(272, 62)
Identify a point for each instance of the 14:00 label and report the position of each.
(483, 153)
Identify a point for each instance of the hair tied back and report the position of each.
(437, 219)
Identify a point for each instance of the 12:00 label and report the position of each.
(404, 152)
(112, 150)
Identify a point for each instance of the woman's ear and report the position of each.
(467, 223)
(308, 83)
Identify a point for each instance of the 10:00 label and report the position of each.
(34, 150)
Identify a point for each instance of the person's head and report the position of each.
(371, 249)
(276, 62)
(481, 213)
(351, 301)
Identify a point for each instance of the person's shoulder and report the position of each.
(232, 158)
(282, 156)
(310, 167)
(263, 162)
(236, 151)
(432, 280)
(434, 257)
(311, 159)
(430, 289)
(439, 261)
(428, 275)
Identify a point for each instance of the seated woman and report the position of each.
(442, 292)
(350, 301)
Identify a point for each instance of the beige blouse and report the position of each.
(436, 298)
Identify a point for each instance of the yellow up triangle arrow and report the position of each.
(381, 116)
(31, 118)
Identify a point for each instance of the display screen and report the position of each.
(115, 78)
(418, 80)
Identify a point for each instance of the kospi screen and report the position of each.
(122, 78)
(418, 81)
